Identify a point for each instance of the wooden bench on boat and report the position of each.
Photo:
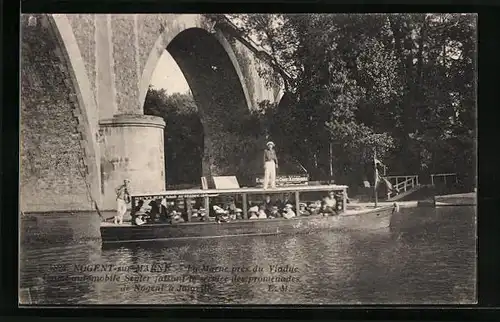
(368, 218)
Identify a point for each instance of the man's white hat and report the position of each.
(288, 206)
(270, 143)
(238, 210)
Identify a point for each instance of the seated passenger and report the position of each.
(238, 212)
(211, 210)
(262, 213)
(329, 206)
(139, 205)
(163, 210)
(234, 212)
(287, 200)
(303, 210)
(180, 207)
(231, 205)
(221, 215)
(344, 194)
(224, 217)
(252, 212)
(145, 212)
(288, 211)
(139, 220)
(195, 215)
(203, 215)
(268, 205)
(176, 218)
(154, 213)
(314, 208)
(230, 208)
(274, 213)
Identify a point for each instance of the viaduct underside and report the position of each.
(84, 79)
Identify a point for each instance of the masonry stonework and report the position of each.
(133, 149)
(52, 174)
(83, 26)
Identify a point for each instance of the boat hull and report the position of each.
(370, 219)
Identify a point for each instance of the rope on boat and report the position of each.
(89, 192)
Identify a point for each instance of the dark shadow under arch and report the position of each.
(183, 137)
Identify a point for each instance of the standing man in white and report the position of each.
(122, 199)
(270, 165)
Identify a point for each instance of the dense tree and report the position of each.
(403, 85)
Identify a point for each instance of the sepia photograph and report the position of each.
(263, 159)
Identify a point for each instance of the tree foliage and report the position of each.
(402, 84)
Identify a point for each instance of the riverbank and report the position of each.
(459, 199)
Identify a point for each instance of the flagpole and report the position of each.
(375, 176)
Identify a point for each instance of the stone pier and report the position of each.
(131, 148)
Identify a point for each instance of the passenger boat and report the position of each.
(359, 219)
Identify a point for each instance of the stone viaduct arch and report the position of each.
(109, 60)
(165, 39)
(216, 81)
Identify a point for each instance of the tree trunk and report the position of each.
(419, 75)
(421, 42)
(405, 63)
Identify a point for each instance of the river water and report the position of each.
(427, 257)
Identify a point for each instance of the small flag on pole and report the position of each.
(378, 162)
(388, 184)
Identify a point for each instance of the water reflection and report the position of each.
(427, 257)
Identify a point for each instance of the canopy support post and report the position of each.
(245, 206)
(344, 200)
(207, 206)
(297, 201)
